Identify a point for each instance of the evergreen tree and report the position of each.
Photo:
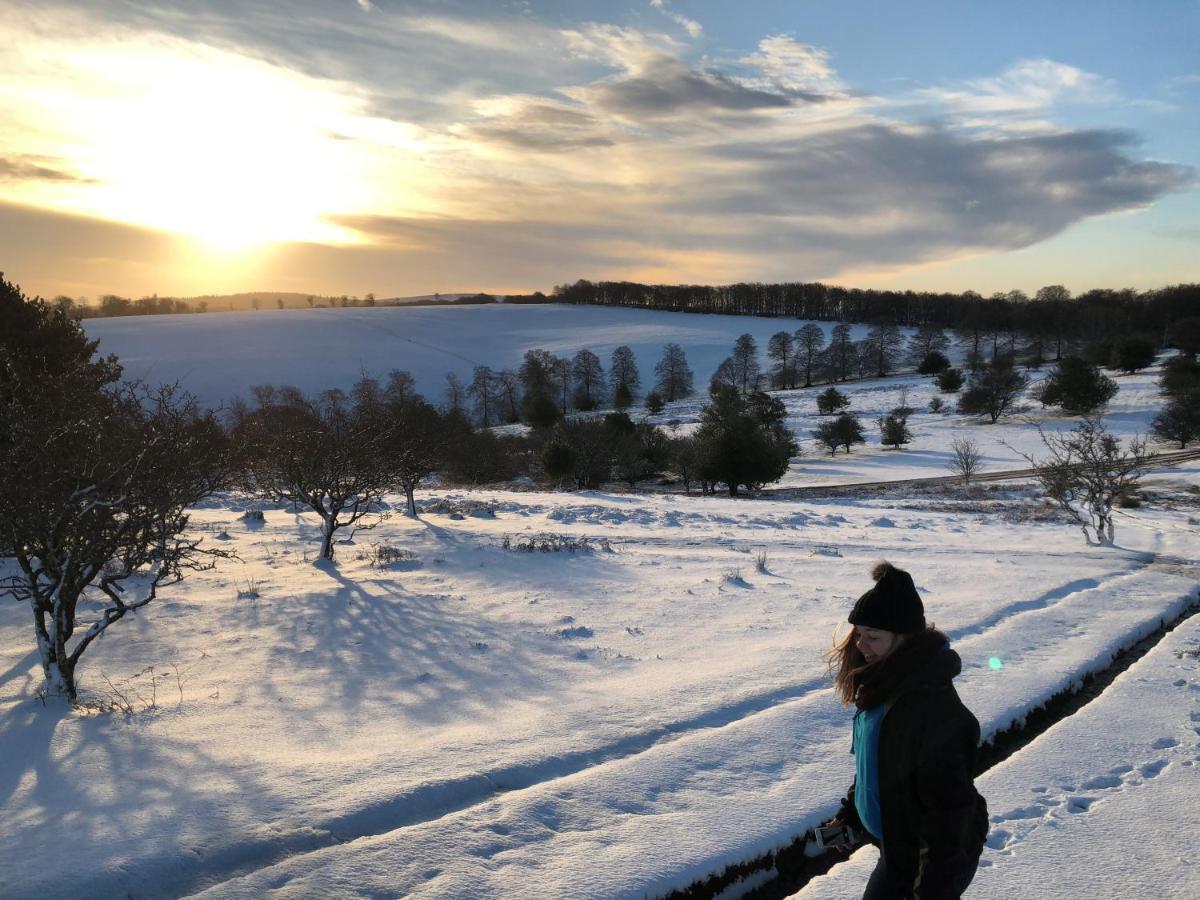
(844, 431)
(992, 390)
(933, 363)
(830, 401)
(737, 448)
(1131, 354)
(894, 431)
(1077, 386)
(950, 381)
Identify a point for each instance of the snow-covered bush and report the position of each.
(554, 543)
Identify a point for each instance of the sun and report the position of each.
(198, 141)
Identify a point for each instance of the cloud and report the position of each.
(1028, 86)
(879, 193)
(534, 123)
(691, 26)
(31, 168)
(792, 66)
(663, 86)
(366, 6)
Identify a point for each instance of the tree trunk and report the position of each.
(410, 506)
(327, 538)
(57, 667)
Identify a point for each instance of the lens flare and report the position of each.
(995, 663)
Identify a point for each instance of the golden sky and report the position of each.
(404, 148)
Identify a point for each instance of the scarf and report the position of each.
(877, 683)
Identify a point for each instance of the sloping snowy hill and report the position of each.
(218, 356)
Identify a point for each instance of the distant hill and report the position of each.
(293, 300)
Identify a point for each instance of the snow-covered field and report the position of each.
(470, 720)
(219, 356)
(476, 721)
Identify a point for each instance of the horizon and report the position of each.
(394, 148)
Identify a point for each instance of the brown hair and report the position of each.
(845, 661)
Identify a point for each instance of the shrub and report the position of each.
(554, 543)
(654, 403)
(936, 404)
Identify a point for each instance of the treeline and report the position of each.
(1051, 315)
(111, 305)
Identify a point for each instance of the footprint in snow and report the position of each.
(1165, 742)
(1152, 770)
(1078, 805)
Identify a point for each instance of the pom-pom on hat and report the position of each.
(893, 604)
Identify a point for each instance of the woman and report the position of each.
(914, 746)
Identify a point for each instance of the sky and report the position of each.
(400, 148)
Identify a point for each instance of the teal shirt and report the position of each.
(865, 748)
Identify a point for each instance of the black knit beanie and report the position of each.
(892, 605)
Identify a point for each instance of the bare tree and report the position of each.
(884, 342)
(320, 455)
(965, 459)
(93, 504)
(810, 339)
(482, 391)
(674, 375)
(623, 372)
(456, 393)
(841, 351)
(1086, 472)
(94, 481)
(508, 395)
(782, 349)
(589, 379)
(926, 340)
(744, 361)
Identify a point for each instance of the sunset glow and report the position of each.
(486, 150)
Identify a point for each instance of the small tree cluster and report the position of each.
(844, 431)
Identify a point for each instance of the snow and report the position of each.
(1103, 804)
(219, 356)
(465, 720)
(448, 724)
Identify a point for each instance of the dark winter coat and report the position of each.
(934, 821)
